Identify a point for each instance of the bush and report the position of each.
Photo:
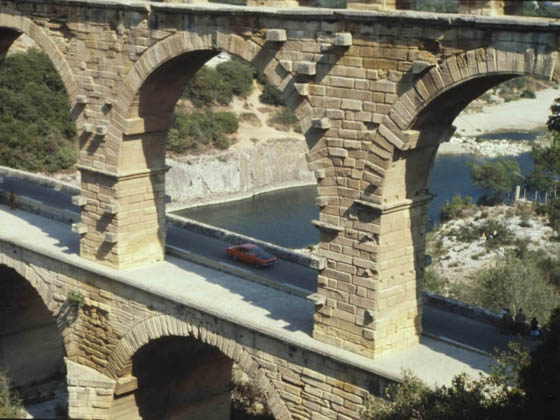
(528, 93)
(497, 179)
(208, 87)
(238, 75)
(190, 130)
(284, 117)
(271, 95)
(453, 210)
(434, 283)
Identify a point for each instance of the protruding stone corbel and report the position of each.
(109, 103)
(126, 385)
(79, 200)
(342, 39)
(320, 173)
(321, 202)
(111, 237)
(276, 35)
(87, 128)
(112, 208)
(327, 226)
(82, 99)
(101, 130)
(79, 228)
(302, 88)
(318, 300)
(307, 68)
(322, 123)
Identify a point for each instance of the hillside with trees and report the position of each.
(36, 133)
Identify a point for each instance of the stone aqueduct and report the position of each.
(376, 90)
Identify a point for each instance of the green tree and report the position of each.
(438, 6)
(208, 87)
(516, 283)
(497, 179)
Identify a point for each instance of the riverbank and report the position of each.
(523, 115)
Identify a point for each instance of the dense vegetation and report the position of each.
(36, 132)
(521, 387)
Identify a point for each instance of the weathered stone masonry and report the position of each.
(117, 320)
(375, 91)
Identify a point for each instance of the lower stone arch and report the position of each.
(23, 25)
(119, 363)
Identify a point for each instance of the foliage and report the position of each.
(190, 130)
(76, 299)
(438, 6)
(541, 377)
(497, 179)
(464, 399)
(522, 386)
(271, 95)
(208, 87)
(434, 282)
(455, 209)
(515, 283)
(10, 402)
(284, 117)
(529, 94)
(36, 132)
(497, 233)
(238, 75)
(247, 401)
(543, 9)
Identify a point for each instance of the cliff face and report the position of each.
(244, 170)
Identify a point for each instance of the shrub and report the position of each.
(271, 95)
(453, 210)
(189, 130)
(529, 94)
(434, 282)
(238, 75)
(208, 87)
(285, 117)
(497, 179)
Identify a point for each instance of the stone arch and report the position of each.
(166, 326)
(125, 115)
(25, 26)
(476, 70)
(36, 280)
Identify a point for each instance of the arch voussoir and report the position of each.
(161, 326)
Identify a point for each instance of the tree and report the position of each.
(516, 283)
(497, 179)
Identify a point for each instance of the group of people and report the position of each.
(518, 324)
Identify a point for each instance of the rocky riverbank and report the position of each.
(461, 247)
(523, 115)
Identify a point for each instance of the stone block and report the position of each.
(306, 68)
(79, 228)
(276, 35)
(342, 39)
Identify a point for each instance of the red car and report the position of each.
(251, 254)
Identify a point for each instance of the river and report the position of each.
(284, 217)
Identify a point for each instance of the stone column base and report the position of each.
(90, 393)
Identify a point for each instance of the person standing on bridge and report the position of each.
(12, 200)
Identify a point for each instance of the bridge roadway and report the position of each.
(435, 321)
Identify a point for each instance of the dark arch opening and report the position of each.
(31, 345)
(177, 377)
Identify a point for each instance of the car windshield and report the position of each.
(257, 252)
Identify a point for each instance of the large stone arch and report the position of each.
(23, 25)
(166, 326)
(476, 71)
(126, 118)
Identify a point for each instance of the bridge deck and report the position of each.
(253, 306)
